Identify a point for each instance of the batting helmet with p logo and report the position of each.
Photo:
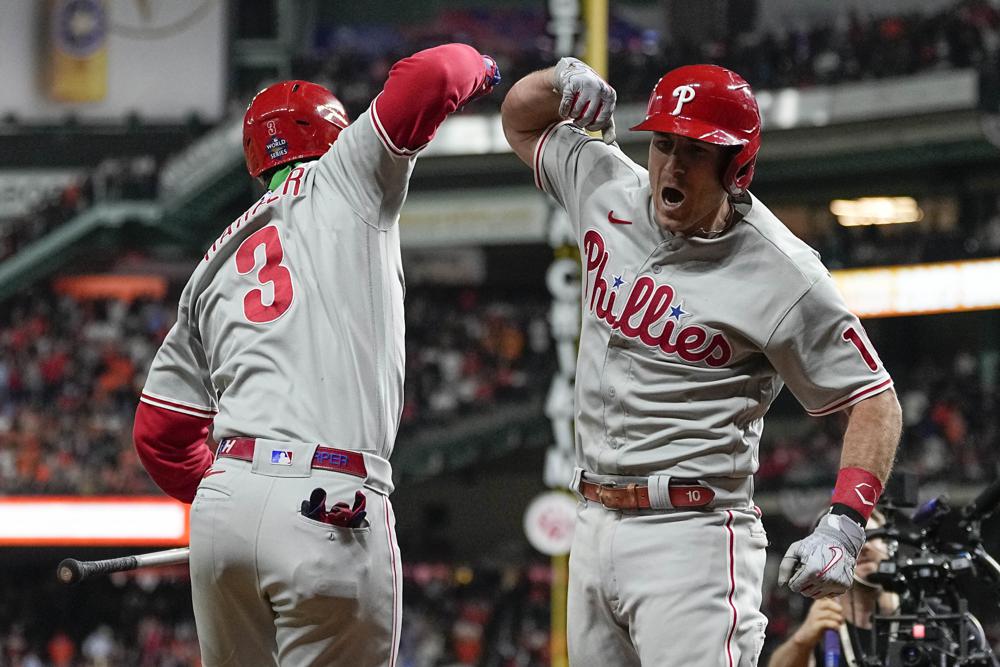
(711, 104)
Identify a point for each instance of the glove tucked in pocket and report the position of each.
(340, 514)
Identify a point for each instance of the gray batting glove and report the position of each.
(822, 564)
(587, 99)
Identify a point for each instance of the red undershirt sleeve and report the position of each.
(173, 448)
(424, 88)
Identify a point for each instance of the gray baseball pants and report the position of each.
(272, 587)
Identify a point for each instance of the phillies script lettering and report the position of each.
(647, 306)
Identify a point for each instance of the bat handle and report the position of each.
(72, 571)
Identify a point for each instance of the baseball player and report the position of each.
(698, 305)
(288, 350)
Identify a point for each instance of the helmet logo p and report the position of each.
(684, 94)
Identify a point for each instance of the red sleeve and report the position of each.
(172, 447)
(423, 89)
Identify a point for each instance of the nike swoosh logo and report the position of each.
(209, 473)
(617, 221)
(838, 554)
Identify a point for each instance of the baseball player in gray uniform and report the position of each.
(288, 351)
(698, 305)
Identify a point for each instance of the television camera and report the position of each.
(934, 555)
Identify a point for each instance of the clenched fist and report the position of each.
(823, 615)
(822, 564)
(587, 99)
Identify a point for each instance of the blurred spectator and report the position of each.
(61, 650)
(99, 647)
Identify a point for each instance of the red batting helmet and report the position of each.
(290, 121)
(712, 104)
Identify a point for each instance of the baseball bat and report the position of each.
(72, 571)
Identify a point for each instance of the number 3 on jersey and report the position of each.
(854, 336)
(271, 272)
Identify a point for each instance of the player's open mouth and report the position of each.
(672, 196)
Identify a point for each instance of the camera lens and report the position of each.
(913, 655)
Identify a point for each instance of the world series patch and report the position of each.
(276, 147)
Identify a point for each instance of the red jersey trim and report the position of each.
(539, 147)
(178, 406)
(394, 644)
(856, 397)
(732, 588)
(383, 136)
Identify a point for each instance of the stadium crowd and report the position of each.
(71, 370)
(453, 615)
(465, 351)
(858, 44)
(113, 179)
(951, 422)
(354, 61)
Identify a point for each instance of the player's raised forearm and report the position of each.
(423, 89)
(571, 90)
(870, 443)
(872, 435)
(530, 106)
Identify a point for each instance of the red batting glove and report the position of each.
(345, 517)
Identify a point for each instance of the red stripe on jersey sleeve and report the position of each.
(539, 147)
(422, 90)
(178, 406)
(859, 395)
(172, 447)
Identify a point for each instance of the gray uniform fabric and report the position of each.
(685, 343)
(291, 329)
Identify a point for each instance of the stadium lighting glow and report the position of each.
(921, 289)
(117, 520)
(876, 211)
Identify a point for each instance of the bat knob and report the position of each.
(69, 571)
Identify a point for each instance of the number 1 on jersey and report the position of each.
(271, 272)
(852, 335)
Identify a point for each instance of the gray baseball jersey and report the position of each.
(290, 331)
(685, 343)
(260, 344)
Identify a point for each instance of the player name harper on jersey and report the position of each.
(292, 185)
(647, 306)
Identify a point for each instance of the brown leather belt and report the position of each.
(325, 458)
(636, 496)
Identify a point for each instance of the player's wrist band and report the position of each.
(849, 512)
(857, 490)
